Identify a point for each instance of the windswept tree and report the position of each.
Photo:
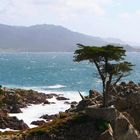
(110, 63)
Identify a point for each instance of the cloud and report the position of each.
(94, 17)
(125, 15)
(138, 12)
(51, 11)
(130, 15)
(62, 7)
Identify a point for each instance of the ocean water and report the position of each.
(54, 72)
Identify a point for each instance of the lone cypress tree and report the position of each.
(110, 64)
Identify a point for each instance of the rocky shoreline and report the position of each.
(13, 100)
(86, 120)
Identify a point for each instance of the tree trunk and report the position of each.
(104, 95)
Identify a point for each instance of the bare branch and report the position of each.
(118, 79)
(81, 95)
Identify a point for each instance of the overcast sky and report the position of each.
(104, 18)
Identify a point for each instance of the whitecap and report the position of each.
(54, 57)
(32, 61)
(55, 86)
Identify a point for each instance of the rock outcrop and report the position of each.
(59, 98)
(12, 100)
(89, 121)
(12, 123)
(120, 127)
(39, 122)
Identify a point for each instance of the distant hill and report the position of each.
(46, 38)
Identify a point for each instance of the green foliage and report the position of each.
(99, 53)
(102, 124)
(109, 61)
(38, 132)
(80, 119)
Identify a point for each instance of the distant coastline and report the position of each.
(50, 38)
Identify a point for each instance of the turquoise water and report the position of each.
(54, 71)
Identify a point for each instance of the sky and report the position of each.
(103, 18)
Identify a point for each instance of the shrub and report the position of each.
(102, 124)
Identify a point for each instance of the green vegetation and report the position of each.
(110, 64)
(60, 123)
(102, 124)
(1, 91)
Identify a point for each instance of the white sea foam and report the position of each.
(7, 129)
(34, 112)
(72, 95)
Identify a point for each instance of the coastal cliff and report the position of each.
(89, 121)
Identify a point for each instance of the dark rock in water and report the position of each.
(39, 123)
(51, 95)
(68, 103)
(52, 103)
(54, 94)
(48, 117)
(73, 106)
(74, 103)
(62, 98)
(46, 102)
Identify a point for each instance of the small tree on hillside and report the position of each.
(110, 64)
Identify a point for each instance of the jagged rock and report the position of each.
(52, 103)
(15, 109)
(54, 94)
(62, 98)
(39, 123)
(72, 107)
(93, 93)
(123, 130)
(48, 117)
(3, 113)
(122, 125)
(108, 114)
(131, 105)
(84, 103)
(12, 123)
(18, 98)
(51, 95)
(107, 135)
(68, 103)
(74, 103)
(122, 83)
